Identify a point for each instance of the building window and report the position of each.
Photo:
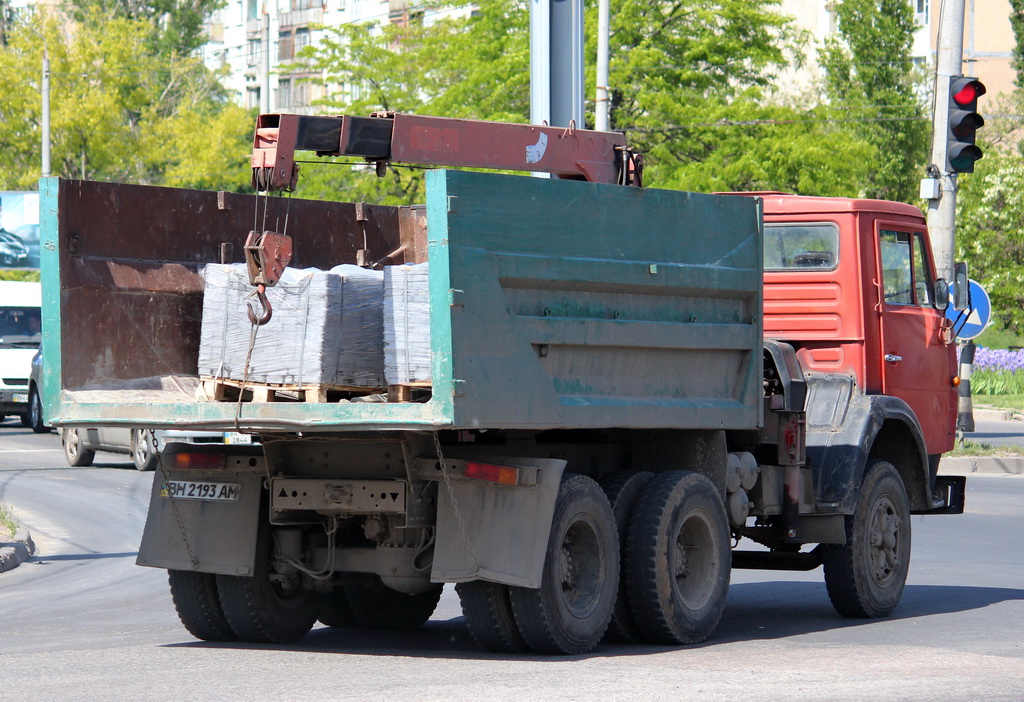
(252, 55)
(285, 46)
(284, 92)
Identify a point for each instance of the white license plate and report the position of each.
(19, 397)
(233, 437)
(194, 490)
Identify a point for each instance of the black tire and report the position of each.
(76, 454)
(145, 453)
(25, 420)
(198, 605)
(336, 611)
(261, 611)
(865, 576)
(35, 413)
(571, 610)
(623, 488)
(377, 606)
(487, 608)
(678, 559)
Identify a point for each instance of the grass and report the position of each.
(973, 448)
(7, 524)
(1012, 402)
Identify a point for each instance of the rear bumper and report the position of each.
(14, 400)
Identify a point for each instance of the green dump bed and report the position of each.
(554, 303)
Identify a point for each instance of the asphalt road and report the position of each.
(81, 621)
(998, 433)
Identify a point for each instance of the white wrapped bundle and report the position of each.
(407, 324)
(327, 327)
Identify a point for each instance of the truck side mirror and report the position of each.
(941, 294)
(961, 287)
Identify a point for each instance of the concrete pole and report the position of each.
(942, 210)
(601, 99)
(45, 125)
(556, 62)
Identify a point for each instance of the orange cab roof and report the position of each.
(776, 203)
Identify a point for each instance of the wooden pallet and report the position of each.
(229, 390)
(409, 392)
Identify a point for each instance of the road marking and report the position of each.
(31, 450)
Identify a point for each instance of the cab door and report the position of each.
(917, 366)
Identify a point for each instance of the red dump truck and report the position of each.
(624, 382)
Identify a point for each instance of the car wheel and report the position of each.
(35, 413)
(74, 449)
(145, 454)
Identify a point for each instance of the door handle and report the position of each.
(892, 358)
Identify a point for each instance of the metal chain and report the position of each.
(455, 504)
(245, 377)
(178, 518)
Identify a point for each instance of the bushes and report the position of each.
(997, 372)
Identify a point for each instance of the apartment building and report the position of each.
(988, 39)
(258, 41)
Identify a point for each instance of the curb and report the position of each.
(996, 465)
(988, 414)
(14, 553)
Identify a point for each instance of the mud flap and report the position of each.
(206, 531)
(487, 531)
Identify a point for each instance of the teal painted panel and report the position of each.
(583, 305)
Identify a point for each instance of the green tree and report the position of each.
(870, 85)
(112, 117)
(178, 25)
(688, 77)
(990, 218)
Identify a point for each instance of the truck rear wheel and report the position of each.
(623, 488)
(865, 576)
(377, 606)
(195, 599)
(487, 608)
(336, 611)
(678, 558)
(571, 610)
(262, 609)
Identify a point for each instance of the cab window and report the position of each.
(811, 246)
(906, 279)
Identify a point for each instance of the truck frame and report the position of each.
(624, 381)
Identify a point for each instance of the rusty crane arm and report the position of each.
(581, 154)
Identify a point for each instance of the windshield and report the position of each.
(20, 327)
(813, 246)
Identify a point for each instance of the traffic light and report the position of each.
(964, 121)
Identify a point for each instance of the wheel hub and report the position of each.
(884, 541)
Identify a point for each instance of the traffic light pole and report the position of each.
(940, 187)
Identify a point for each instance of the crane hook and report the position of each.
(261, 294)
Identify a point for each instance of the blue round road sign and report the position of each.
(977, 316)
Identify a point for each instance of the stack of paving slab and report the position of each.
(326, 328)
(407, 358)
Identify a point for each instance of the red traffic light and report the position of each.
(963, 121)
(968, 90)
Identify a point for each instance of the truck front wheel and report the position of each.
(865, 576)
(678, 558)
(571, 610)
(195, 599)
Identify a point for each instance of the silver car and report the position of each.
(143, 445)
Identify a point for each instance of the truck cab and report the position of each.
(851, 285)
(19, 342)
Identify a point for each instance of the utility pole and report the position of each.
(940, 187)
(45, 126)
(556, 62)
(601, 99)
